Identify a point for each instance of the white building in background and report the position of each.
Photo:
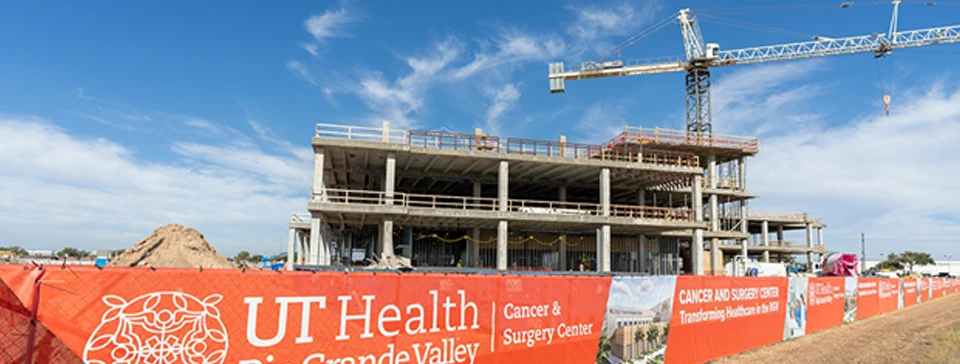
(40, 253)
(948, 267)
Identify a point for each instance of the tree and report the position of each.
(916, 258)
(652, 333)
(604, 348)
(242, 256)
(637, 338)
(893, 262)
(666, 330)
(256, 258)
(72, 252)
(18, 251)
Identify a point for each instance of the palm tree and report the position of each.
(604, 349)
(652, 334)
(637, 338)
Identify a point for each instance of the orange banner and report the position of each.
(888, 294)
(718, 316)
(936, 284)
(226, 316)
(868, 303)
(824, 303)
(910, 292)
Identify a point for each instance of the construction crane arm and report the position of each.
(879, 44)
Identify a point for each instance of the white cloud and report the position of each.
(890, 177)
(83, 96)
(299, 70)
(396, 101)
(595, 23)
(330, 24)
(511, 48)
(76, 189)
(311, 48)
(502, 99)
(129, 121)
(744, 101)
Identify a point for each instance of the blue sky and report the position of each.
(117, 118)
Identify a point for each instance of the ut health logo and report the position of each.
(159, 328)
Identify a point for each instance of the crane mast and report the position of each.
(700, 57)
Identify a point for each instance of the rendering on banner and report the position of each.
(637, 320)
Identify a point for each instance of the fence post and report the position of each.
(34, 310)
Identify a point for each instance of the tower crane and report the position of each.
(700, 57)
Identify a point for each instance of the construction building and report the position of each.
(649, 200)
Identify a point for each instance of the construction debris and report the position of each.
(172, 246)
(392, 262)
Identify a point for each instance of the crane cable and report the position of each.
(746, 25)
(636, 37)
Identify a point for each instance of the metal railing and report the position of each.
(778, 215)
(300, 217)
(725, 183)
(638, 134)
(361, 133)
(409, 200)
(490, 143)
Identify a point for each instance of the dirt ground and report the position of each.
(925, 333)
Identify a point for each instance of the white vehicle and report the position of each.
(740, 267)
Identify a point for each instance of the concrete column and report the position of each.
(742, 175)
(716, 258)
(820, 236)
(820, 243)
(386, 131)
(712, 177)
(319, 179)
(408, 236)
(474, 260)
(563, 145)
(302, 247)
(603, 264)
(810, 246)
(765, 239)
(389, 182)
(562, 249)
(603, 253)
(291, 248)
(780, 233)
(386, 248)
(502, 245)
(503, 188)
(696, 253)
(316, 241)
(744, 227)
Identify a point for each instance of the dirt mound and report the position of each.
(172, 246)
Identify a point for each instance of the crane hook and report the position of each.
(886, 104)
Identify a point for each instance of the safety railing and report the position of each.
(778, 215)
(637, 134)
(554, 207)
(409, 200)
(449, 202)
(724, 183)
(300, 217)
(447, 140)
(648, 212)
(367, 133)
(490, 143)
